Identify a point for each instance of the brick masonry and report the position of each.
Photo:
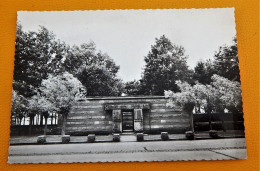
(95, 116)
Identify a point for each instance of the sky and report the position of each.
(127, 35)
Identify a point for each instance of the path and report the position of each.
(130, 151)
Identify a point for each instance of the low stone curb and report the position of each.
(146, 139)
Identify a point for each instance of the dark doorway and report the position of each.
(128, 121)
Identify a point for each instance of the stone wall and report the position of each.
(19, 130)
(95, 115)
(219, 121)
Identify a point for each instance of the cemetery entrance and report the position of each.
(127, 121)
(116, 115)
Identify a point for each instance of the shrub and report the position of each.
(164, 136)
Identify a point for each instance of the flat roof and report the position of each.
(122, 97)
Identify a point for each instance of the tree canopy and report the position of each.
(165, 64)
(226, 61)
(19, 106)
(203, 72)
(33, 54)
(225, 64)
(40, 53)
(96, 70)
(132, 88)
(50, 75)
(215, 97)
(62, 90)
(228, 93)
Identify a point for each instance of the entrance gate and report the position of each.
(127, 117)
(127, 121)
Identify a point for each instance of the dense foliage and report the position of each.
(225, 64)
(33, 52)
(62, 91)
(19, 107)
(215, 97)
(165, 63)
(203, 72)
(221, 94)
(50, 75)
(132, 88)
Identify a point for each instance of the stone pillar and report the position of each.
(117, 121)
(138, 120)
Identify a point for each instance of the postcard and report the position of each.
(126, 85)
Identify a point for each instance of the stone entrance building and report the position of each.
(106, 115)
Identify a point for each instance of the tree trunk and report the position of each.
(20, 121)
(52, 118)
(150, 122)
(30, 125)
(41, 120)
(210, 125)
(64, 122)
(199, 109)
(191, 121)
(20, 125)
(37, 119)
(45, 126)
(222, 121)
(234, 113)
(55, 119)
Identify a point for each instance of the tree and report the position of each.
(165, 64)
(198, 95)
(34, 52)
(229, 92)
(208, 99)
(100, 82)
(226, 62)
(95, 70)
(62, 91)
(19, 107)
(78, 57)
(36, 55)
(132, 88)
(39, 105)
(186, 98)
(203, 72)
(215, 97)
(40, 53)
(219, 95)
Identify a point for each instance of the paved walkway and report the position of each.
(211, 149)
(19, 140)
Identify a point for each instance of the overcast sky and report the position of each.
(127, 35)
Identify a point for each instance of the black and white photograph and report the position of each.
(125, 86)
